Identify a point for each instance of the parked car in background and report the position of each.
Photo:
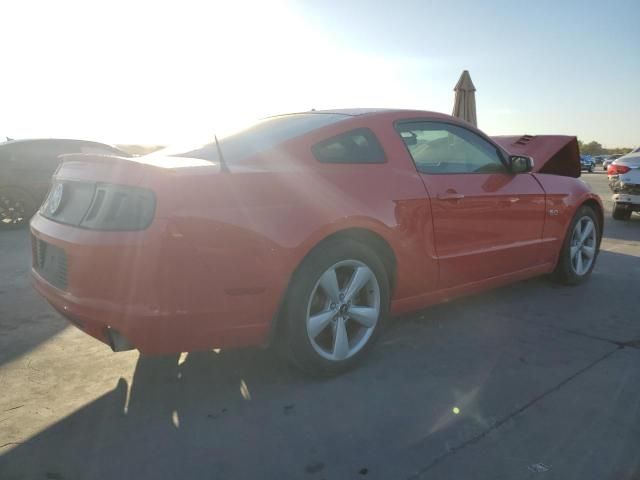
(587, 163)
(610, 158)
(305, 230)
(624, 181)
(598, 159)
(26, 167)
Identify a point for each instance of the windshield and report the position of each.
(262, 135)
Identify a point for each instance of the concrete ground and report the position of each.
(529, 381)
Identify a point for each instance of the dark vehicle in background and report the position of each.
(598, 159)
(26, 167)
(587, 163)
(609, 160)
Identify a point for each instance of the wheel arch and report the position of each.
(367, 237)
(596, 207)
(373, 240)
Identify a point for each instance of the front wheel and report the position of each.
(335, 307)
(620, 212)
(580, 248)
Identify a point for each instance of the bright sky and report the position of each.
(164, 72)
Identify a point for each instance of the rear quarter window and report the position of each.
(355, 146)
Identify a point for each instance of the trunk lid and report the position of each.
(128, 170)
(118, 193)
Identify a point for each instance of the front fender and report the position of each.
(564, 195)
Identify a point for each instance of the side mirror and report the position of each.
(410, 139)
(520, 164)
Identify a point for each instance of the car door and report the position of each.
(487, 221)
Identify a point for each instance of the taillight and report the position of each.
(101, 206)
(119, 207)
(617, 169)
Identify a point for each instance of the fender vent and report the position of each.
(523, 140)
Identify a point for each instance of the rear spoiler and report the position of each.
(158, 161)
(128, 170)
(552, 154)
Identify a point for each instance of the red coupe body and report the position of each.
(212, 265)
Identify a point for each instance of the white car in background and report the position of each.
(609, 160)
(624, 181)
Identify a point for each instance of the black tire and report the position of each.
(295, 341)
(621, 213)
(564, 271)
(17, 207)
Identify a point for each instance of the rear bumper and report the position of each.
(92, 319)
(632, 201)
(145, 286)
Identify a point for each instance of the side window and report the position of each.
(443, 148)
(355, 146)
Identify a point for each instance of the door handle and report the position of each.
(451, 196)
(507, 202)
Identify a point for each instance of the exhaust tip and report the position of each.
(117, 341)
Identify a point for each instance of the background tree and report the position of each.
(592, 148)
(596, 148)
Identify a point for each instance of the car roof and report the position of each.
(353, 112)
(357, 112)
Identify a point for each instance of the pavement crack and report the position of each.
(632, 344)
(14, 408)
(29, 362)
(498, 423)
(10, 443)
(620, 344)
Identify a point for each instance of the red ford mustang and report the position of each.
(307, 230)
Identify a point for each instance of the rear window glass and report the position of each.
(355, 146)
(260, 136)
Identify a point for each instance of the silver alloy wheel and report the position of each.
(582, 251)
(343, 310)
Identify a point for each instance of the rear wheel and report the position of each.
(621, 212)
(16, 207)
(335, 307)
(580, 248)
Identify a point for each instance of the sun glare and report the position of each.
(147, 72)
